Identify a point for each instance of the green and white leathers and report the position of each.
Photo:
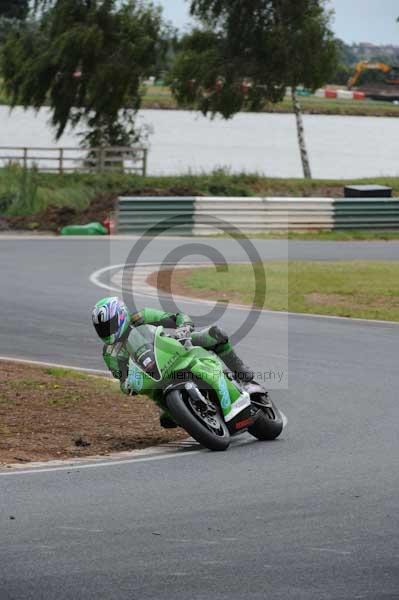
(116, 355)
(157, 361)
(196, 378)
(173, 362)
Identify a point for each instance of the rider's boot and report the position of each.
(236, 365)
(166, 421)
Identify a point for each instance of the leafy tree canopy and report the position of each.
(346, 55)
(248, 51)
(14, 9)
(86, 58)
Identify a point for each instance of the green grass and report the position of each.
(358, 289)
(156, 97)
(161, 97)
(3, 96)
(78, 189)
(28, 192)
(344, 235)
(327, 106)
(59, 372)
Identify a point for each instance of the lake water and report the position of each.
(182, 141)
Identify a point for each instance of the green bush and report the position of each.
(7, 199)
(19, 191)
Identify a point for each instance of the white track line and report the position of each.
(91, 238)
(135, 456)
(153, 293)
(28, 361)
(96, 465)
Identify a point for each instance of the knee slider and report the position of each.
(219, 335)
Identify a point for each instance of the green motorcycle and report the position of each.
(194, 387)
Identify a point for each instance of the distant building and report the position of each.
(368, 51)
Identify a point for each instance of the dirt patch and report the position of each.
(326, 299)
(3, 225)
(318, 190)
(175, 282)
(51, 413)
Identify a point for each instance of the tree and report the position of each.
(346, 55)
(86, 58)
(248, 51)
(166, 50)
(14, 9)
(346, 60)
(12, 16)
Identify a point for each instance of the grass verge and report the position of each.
(161, 98)
(344, 235)
(33, 200)
(359, 289)
(156, 97)
(55, 413)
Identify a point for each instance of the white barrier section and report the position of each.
(345, 95)
(248, 215)
(253, 215)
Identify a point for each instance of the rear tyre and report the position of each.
(268, 421)
(209, 430)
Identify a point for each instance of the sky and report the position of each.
(355, 20)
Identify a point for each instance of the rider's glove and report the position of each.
(126, 389)
(122, 372)
(183, 333)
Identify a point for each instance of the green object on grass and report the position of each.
(89, 229)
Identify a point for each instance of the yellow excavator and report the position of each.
(391, 72)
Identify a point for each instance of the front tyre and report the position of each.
(209, 430)
(268, 420)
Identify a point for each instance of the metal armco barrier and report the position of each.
(366, 213)
(263, 214)
(245, 214)
(207, 216)
(140, 214)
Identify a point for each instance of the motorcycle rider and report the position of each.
(113, 321)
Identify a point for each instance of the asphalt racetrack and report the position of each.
(312, 516)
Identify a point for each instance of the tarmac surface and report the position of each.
(312, 516)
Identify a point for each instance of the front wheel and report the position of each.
(268, 420)
(209, 429)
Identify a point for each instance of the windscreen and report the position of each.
(141, 346)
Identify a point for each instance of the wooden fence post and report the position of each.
(101, 159)
(61, 161)
(25, 158)
(145, 162)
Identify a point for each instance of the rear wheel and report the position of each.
(268, 421)
(205, 426)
